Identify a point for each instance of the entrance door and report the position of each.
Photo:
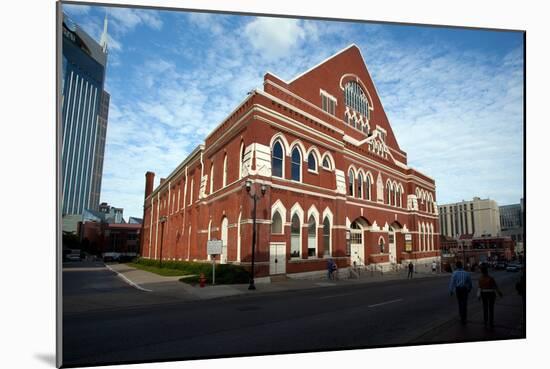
(277, 258)
(356, 244)
(393, 249)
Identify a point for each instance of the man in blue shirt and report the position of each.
(461, 283)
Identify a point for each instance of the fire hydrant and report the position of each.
(202, 280)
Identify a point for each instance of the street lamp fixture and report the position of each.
(255, 197)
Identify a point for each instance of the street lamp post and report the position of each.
(255, 198)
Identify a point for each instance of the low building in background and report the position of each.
(479, 218)
(475, 250)
(512, 219)
(106, 231)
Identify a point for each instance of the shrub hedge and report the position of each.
(225, 273)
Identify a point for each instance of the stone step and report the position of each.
(278, 278)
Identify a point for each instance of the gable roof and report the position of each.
(328, 75)
(324, 61)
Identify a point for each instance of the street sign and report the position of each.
(214, 247)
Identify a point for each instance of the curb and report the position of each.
(125, 279)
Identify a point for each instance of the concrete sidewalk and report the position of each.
(509, 323)
(151, 282)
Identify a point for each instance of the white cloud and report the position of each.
(126, 19)
(275, 37)
(458, 115)
(74, 9)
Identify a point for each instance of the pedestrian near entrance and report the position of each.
(461, 284)
(487, 291)
(434, 266)
(411, 270)
(331, 267)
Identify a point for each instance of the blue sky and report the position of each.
(454, 97)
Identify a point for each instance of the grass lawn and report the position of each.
(190, 270)
(167, 272)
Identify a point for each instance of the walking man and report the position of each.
(488, 291)
(461, 284)
(330, 268)
(434, 266)
(411, 269)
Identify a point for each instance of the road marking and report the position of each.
(385, 303)
(133, 284)
(342, 294)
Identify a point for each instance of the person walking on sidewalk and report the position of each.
(487, 291)
(434, 266)
(411, 270)
(331, 267)
(461, 284)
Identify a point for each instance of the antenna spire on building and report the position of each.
(103, 41)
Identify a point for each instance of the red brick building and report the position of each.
(101, 237)
(338, 184)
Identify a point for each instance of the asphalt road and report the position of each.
(106, 321)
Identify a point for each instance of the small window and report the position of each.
(328, 103)
(381, 244)
(326, 237)
(276, 160)
(311, 237)
(312, 162)
(326, 163)
(277, 223)
(295, 237)
(351, 180)
(296, 165)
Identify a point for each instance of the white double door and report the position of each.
(277, 258)
(392, 247)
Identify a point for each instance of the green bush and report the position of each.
(225, 273)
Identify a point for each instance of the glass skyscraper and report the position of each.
(85, 107)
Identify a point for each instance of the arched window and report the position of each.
(276, 223)
(351, 182)
(239, 237)
(326, 237)
(277, 160)
(400, 197)
(381, 244)
(312, 162)
(191, 192)
(295, 237)
(360, 186)
(225, 170)
(311, 237)
(423, 237)
(326, 163)
(224, 226)
(296, 165)
(432, 236)
(212, 177)
(388, 193)
(368, 188)
(356, 98)
(241, 158)
(429, 238)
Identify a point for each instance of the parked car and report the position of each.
(501, 265)
(513, 267)
(73, 257)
